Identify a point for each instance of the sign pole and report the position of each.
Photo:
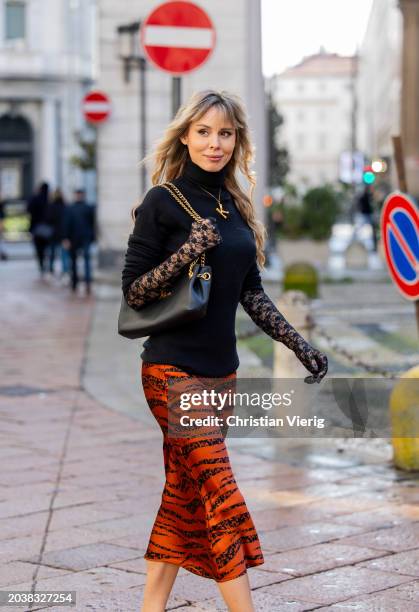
(143, 122)
(399, 159)
(176, 94)
(401, 176)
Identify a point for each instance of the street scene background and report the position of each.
(81, 455)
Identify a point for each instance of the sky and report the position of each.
(292, 29)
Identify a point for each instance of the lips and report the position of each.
(214, 157)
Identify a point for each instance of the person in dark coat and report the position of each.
(56, 218)
(366, 208)
(79, 234)
(3, 254)
(39, 227)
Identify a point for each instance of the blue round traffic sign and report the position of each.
(400, 235)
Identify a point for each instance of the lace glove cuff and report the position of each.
(264, 313)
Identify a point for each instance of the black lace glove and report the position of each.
(204, 235)
(264, 313)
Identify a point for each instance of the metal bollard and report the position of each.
(295, 306)
(404, 415)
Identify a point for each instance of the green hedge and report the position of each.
(313, 217)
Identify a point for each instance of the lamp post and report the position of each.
(132, 58)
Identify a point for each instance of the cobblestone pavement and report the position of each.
(80, 481)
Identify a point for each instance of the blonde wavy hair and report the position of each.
(170, 154)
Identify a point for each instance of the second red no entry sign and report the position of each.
(178, 37)
(96, 107)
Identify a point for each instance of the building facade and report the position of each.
(46, 66)
(234, 65)
(379, 79)
(316, 100)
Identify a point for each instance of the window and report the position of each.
(322, 141)
(15, 20)
(300, 141)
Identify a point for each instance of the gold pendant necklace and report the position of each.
(221, 211)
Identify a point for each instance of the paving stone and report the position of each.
(137, 565)
(126, 526)
(20, 549)
(85, 514)
(347, 505)
(408, 592)
(403, 537)
(276, 518)
(12, 508)
(85, 557)
(264, 601)
(304, 535)
(317, 558)
(390, 516)
(18, 571)
(25, 525)
(100, 589)
(137, 542)
(376, 603)
(335, 585)
(72, 537)
(406, 563)
(26, 476)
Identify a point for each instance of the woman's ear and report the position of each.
(184, 140)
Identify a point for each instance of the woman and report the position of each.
(39, 227)
(202, 524)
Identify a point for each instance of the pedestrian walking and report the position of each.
(56, 218)
(79, 234)
(365, 206)
(203, 524)
(3, 254)
(39, 227)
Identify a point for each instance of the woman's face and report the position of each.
(210, 140)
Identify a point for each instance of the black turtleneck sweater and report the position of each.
(206, 347)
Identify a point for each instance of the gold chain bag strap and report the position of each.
(186, 301)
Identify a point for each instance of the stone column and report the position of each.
(48, 165)
(256, 99)
(410, 92)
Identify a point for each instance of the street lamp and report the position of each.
(130, 54)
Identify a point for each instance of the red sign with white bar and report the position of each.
(96, 107)
(178, 37)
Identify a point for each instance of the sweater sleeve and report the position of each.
(146, 243)
(252, 279)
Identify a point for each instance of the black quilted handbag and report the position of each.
(186, 300)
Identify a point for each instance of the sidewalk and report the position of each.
(82, 476)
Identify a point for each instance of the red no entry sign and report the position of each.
(178, 37)
(400, 235)
(96, 107)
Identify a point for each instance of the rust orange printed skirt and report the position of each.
(203, 523)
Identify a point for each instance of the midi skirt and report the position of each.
(203, 523)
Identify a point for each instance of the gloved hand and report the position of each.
(204, 234)
(314, 360)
